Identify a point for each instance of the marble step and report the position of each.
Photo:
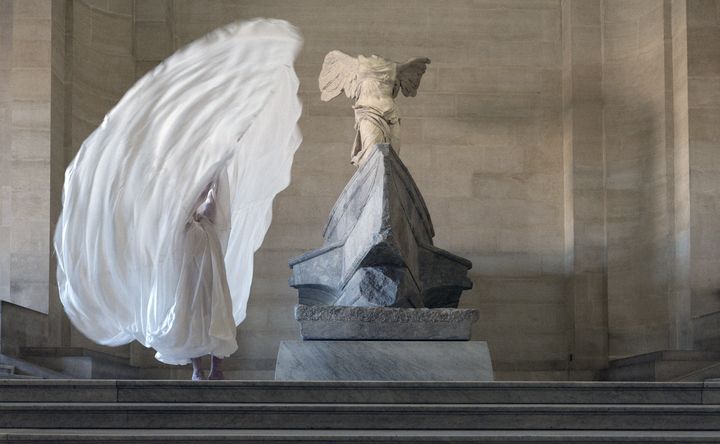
(80, 363)
(357, 436)
(7, 376)
(23, 367)
(667, 365)
(711, 372)
(368, 392)
(361, 416)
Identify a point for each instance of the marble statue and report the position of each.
(378, 300)
(373, 82)
(378, 249)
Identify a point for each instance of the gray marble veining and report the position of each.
(375, 323)
(384, 361)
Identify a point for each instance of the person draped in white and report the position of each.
(167, 201)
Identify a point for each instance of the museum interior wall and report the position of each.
(570, 149)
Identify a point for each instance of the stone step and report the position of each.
(368, 392)
(17, 376)
(710, 372)
(667, 365)
(358, 436)
(80, 362)
(24, 367)
(361, 416)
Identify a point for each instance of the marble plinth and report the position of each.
(384, 323)
(383, 361)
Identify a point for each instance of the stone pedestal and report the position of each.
(379, 299)
(378, 246)
(384, 344)
(318, 322)
(383, 361)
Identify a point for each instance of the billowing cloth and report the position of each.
(133, 262)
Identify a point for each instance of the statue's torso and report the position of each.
(376, 78)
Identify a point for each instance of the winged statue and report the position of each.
(373, 83)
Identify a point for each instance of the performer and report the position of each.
(167, 201)
(203, 297)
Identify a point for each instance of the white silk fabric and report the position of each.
(133, 263)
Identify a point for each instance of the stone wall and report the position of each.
(636, 177)
(585, 183)
(703, 46)
(25, 161)
(25, 158)
(626, 122)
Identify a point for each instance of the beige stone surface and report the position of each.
(703, 67)
(567, 147)
(25, 162)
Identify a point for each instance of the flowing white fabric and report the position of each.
(133, 262)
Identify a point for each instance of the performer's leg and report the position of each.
(197, 369)
(216, 370)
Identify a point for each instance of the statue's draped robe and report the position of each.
(132, 263)
(376, 121)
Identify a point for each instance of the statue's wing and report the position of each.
(409, 75)
(338, 73)
(223, 109)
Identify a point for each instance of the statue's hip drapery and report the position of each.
(372, 127)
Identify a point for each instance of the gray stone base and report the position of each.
(383, 361)
(364, 323)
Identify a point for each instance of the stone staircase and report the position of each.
(344, 412)
(667, 365)
(15, 368)
(80, 363)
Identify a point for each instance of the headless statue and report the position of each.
(373, 82)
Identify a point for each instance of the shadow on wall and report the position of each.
(639, 223)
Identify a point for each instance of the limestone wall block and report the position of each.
(489, 79)
(152, 10)
(6, 207)
(703, 13)
(31, 145)
(112, 32)
(124, 7)
(586, 44)
(24, 29)
(704, 92)
(31, 53)
(32, 9)
(703, 125)
(31, 114)
(153, 41)
(31, 83)
(704, 53)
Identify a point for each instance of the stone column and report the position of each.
(25, 162)
(703, 66)
(585, 183)
(646, 176)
